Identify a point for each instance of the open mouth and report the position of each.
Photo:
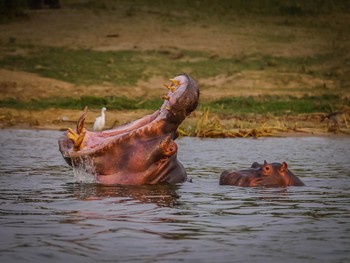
(180, 100)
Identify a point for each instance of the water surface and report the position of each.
(45, 216)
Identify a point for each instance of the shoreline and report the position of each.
(110, 58)
(302, 134)
(61, 120)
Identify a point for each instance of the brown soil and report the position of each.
(238, 37)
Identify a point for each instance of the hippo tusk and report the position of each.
(80, 124)
(79, 143)
(165, 97)
(72, 135)
(77, 139)
(171, 88)
(175, 82)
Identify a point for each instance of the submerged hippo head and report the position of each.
(139, 152)
(267, 174)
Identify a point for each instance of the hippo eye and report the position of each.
(267, 168)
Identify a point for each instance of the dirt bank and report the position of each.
(140, 28)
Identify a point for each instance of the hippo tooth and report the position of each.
(72, 134)
(80, 124)
(165, 97)
(76, 139)
(175, 82)
(167, 107)
(79, 143)
(71, 137)
(172, 89)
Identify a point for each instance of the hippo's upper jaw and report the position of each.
(139, 152)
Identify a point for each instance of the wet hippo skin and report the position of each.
(139, 152)
(267, 174)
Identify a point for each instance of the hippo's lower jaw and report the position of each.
(268, 175)
(140, 152)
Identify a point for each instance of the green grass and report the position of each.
(125, 68)
(116, 103)
(78, 66)
(89, 67)
(276, 105)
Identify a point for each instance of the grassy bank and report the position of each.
(116, 68)
(259, 63)
(277, 105)
(127, 67)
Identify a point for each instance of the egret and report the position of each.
(100, 121)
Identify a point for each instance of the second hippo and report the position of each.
(267, 174)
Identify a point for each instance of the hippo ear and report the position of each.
(283, 167)
(265, 163)
(255, 165)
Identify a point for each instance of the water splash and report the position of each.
(84, 170)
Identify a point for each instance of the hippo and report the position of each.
(141, 152)
(267, 174)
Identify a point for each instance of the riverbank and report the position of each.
(199, 124)
(263, 70)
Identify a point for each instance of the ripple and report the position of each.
(46, 215)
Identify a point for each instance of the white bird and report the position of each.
(100, 121)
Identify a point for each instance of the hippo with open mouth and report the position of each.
(267, 174)
(140, 152)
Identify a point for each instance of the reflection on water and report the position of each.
(161, 195)
(46, 216)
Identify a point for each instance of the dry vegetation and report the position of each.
(132, 47)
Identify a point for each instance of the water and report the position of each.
(45, 216)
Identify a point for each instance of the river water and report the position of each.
(46, 216)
